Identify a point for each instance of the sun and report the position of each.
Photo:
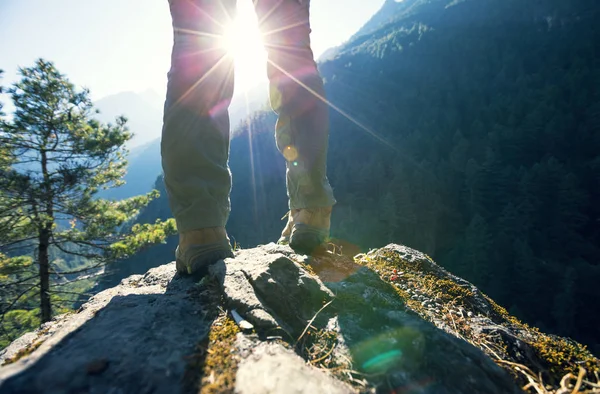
(243, 41)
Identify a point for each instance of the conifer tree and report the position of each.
(57, 157)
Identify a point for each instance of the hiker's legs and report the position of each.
(195, 136)
(297, 95)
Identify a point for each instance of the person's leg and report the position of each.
(195, 136)
(302, 130)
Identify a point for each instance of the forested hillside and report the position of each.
(469, 130)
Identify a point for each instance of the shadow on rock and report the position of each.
(342, 316)
(399, 352)
(133, 338)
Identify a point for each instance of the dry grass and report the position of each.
(569, 384)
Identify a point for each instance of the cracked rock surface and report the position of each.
(136, 337)
(372, 323)
(129, 339)
(270, 289)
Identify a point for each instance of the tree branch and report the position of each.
(12, 304)
(18, 282)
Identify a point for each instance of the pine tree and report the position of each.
(564, 303)
(389, 217)
(477, 251)
(60, 158)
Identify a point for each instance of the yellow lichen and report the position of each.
(220, 362)
(564, 356)
(213, 365)
(23, 352)
(503, 317)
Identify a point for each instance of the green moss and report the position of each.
(213, 365)
(220, 363)
(307, 267)
(564, 356)
(384, 266)
(444, 290)
(448, 290)
(558, 356)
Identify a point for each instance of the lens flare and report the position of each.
(290, 153)
(243, 42)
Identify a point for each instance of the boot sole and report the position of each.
(306, 239)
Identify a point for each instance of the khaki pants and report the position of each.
(195, 136)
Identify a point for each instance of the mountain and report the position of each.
(244, 104)
(144, 113)
(469, 130)
(144, 117)
(391, 9)
(271, 321)
(144, 164)
(151, 97)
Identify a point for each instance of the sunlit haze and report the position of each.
(112, 46)
(243, 41)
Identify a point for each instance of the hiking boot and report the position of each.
(287, 231)
(306, 229)
(198, 249)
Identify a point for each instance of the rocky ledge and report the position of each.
(271, 321)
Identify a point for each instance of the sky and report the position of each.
(111, 46)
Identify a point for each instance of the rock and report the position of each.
(271, 368)
(380, 335)
(129, 339)
(334, 326)
(271, 289)
(386, 339)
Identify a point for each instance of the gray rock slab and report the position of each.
(132, 338)
(427, 265)
(271, 368)
(384, 340)
(271, 289)
(388, 341)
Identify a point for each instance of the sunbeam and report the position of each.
(209, 16)
(201, 79)
(252, 169)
